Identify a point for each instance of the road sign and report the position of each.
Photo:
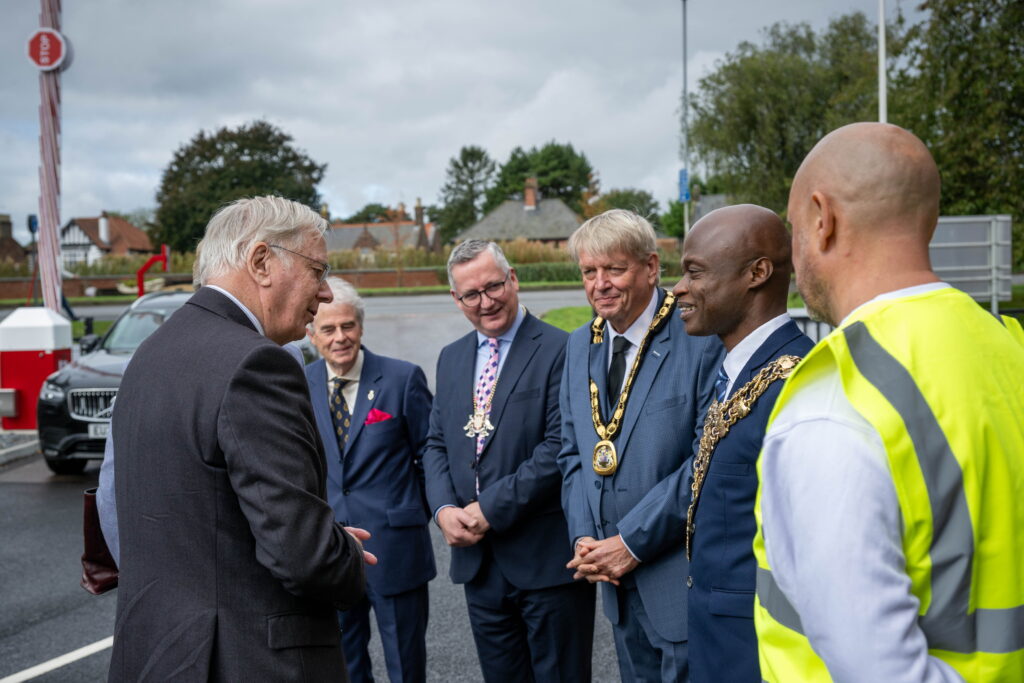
(684, 185)
(47, 49)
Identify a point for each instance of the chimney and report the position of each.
(530, 195)
(104, 229)
(6, 228)
(419, 213)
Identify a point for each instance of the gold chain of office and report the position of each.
(605, 459)
(720, 418)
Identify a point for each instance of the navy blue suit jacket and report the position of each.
(519, 479)
(723, 645)
(671, 389)
(377, 484)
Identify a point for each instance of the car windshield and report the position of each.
(133, 328)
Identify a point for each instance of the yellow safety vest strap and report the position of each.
(947, 624)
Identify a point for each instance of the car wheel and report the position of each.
(66, 466)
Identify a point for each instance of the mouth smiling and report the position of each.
(686, 309)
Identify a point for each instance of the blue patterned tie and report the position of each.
(721, 384)
(340, 412)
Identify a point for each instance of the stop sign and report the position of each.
(47, 49)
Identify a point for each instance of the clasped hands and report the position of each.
(462, 527)
(605, 560)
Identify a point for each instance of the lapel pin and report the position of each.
(369, 396)
(656, 353)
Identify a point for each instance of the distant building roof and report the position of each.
(548, 219)
(10, 248)
(124, 237)
(374, 235)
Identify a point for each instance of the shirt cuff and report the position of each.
(626, 545)
(439, 508)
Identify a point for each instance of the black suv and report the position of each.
(76, 401)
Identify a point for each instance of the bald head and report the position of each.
(736, 268)
(881, 176)
(863, 205)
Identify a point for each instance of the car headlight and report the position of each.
(51, 392)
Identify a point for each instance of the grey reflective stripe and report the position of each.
(775, 601)
(947, 624)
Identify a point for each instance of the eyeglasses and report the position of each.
(322, 269)
(493, 291)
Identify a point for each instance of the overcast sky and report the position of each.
(383, 92)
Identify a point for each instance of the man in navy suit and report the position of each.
(493, 483)
(373, 413)
(633, 387)
(736, 270)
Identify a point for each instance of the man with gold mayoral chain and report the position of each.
(633, 388)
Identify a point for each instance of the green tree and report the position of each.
(966, 81)
(462, 196)
(758, 114)
(641, 202)
(219, 167)
(560, 171)
(371, 213)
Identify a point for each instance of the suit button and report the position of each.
(689, 582)
(597, 485)
(347, 491)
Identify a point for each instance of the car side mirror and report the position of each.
(88, 343)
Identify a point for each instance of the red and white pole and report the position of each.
(49, 51)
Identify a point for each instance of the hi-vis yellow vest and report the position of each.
(942, 382)
(1013, 325)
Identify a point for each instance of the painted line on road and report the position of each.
(58, 662)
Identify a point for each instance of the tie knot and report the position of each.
(492, 343)
(721, 374)
(339, 383)
(620, 344)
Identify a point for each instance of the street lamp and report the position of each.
(684, 174)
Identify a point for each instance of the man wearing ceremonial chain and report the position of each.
(633, 387)
(493, 481)
(736, 268)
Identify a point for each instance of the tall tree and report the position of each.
(758, 114)
(967, 84)
(462, 196)
(560, 171)
(219, 167)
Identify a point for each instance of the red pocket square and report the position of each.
(376, 416)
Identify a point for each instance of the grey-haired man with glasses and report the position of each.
(493, 484)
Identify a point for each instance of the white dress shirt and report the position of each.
(740, 355)
(351, 390)
(833, 535)
(634, 333)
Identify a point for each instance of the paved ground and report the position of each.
(45, 614)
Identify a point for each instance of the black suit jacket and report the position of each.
(232, 565)
(519, 479)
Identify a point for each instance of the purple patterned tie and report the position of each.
(485, 385)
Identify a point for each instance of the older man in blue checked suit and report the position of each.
(633, 387)
(736, 268)
(373, 413)
(493, 482)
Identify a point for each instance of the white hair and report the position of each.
(344, 293)
(236, 227)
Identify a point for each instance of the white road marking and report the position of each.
(58, 662)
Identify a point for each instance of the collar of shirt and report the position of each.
(248, 313)
(899, 294)
(635, 332)
(353, 372)
(740, 355)
(504, 342)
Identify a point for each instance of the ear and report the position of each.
(258, 263)
(653, 267)
(512, 276)
(760, 271)
(824, 226)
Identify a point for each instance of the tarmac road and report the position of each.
(44, 613)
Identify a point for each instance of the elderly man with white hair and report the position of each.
(232, 566)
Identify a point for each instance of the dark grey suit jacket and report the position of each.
(232, 565)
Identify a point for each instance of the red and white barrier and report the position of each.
(34, 342)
